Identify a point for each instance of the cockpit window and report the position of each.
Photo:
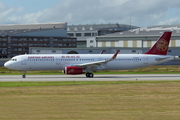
(13, 60)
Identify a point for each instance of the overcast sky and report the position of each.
(140, 13)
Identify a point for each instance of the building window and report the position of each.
(19, 49)
(4, 39)
(55, 39)
(91, 41)
(15, 39)
(20, 44)
(53, 51)
(24, 39)
(45, 44)
(4, 44)
(38, 50)
(30, 44)
(60, 44)
(71, 34)
(14, 44)
(169, 50)
(87, 34)
(94, 34)
(4, 52)
(45, 39)
(133, 51)
(78, 34)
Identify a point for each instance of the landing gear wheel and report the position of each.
(87, 74)
(23, 76)
(90, 75)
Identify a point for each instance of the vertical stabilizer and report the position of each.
(161, 46)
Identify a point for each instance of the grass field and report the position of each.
(152, 100)
(89, 100)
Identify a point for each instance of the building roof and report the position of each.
(149, 31)
(16, 29)
(95, 27)
(33, 26)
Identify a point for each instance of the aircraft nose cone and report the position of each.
(7, 65)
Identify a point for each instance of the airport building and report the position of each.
(137, 38)
(129, 42)
(84, 32)
(16, 39)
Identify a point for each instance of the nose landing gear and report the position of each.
(24, 75)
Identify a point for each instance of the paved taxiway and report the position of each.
(112, 77)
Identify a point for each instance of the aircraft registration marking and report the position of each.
(70, 56)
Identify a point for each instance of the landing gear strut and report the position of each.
(24, 75)
(90, 75)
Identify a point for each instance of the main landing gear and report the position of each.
(89, 75)
(24, 75)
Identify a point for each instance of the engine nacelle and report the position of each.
(72, 70)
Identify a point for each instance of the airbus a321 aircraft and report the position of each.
(73, 64)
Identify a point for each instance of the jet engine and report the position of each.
(72, 70)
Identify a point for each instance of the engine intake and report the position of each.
(72, 70)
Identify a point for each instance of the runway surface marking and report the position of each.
(110, 77)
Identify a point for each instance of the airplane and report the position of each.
(73, 64)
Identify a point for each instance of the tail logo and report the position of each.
(162, 45)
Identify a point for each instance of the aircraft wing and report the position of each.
(94, 65)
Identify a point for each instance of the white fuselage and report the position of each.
(59, 62)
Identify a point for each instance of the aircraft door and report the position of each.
(58, 61)
(145, 59)
(23, 61)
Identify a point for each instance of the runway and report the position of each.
(111, 77)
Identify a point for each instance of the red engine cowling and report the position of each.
(72, 70)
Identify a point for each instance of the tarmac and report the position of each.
(109, 77)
